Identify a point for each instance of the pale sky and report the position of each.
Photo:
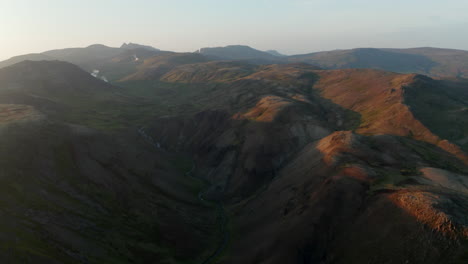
(289, 26)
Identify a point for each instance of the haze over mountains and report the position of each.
(234, 155)
(434, 62)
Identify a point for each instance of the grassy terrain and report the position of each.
(442, 107)
(161, 99)
(63, 212)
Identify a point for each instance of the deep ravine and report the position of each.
(223, 217)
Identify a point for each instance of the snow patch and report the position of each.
(95, 73)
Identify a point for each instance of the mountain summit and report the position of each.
(131, 46)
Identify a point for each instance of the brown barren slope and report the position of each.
(349, 198)
(379, 97)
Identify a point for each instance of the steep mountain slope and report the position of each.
(441, 106)
(65, 77)
(66, 92)
(354, 199)
(73, 194)
(429, 61)
(379, 98)
(59, 89)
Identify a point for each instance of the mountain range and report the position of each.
(234, 155)
(117, 63)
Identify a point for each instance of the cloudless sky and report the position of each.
(289, 26)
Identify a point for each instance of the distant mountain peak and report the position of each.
(97, 46)
(275, 53)
(131, 45)
(239, 46)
